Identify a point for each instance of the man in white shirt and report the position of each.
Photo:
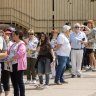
(63, 49)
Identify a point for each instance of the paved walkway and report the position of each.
(85, 86)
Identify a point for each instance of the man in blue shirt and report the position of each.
(77, 40)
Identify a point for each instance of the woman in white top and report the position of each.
(63, 49)
(32, 43)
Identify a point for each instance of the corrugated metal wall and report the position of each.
(38, 14)
(74, 11)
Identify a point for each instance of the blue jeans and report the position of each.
(68, 65)
(62, 61)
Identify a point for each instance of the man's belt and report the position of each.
(77, 48)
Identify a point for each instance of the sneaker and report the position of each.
(28, 82)
(34, 82)
(46, 86)
(94, 69)
(73, 76)
(40, 87)
(64, 82)
(57, 82)
(78, 76)
(88, 68)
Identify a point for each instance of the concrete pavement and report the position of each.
(85, 86)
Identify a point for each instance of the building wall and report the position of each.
(37, 14)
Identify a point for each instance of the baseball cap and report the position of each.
(9, 30)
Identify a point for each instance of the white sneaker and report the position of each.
(88, 68)
(34, 82)
(53, 77)
(28, 82)
(46, 86)
(94, 69)
(40, 87)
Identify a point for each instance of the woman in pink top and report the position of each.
(17, 58)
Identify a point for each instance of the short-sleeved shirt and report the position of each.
(92, 38)
(13, 51)
(30, 45)
(53, 42)
(4, 47)
(65, 48)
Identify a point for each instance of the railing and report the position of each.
(21, 18)
(14, 18)
(13, 15)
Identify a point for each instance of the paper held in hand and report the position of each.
(7, 67)
(29, 52)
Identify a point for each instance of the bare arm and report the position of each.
(87, 30)
(57, 46)
(38, 49)
(3, 55)
(53, 54)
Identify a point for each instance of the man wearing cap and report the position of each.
(63, 49)
(77, 40)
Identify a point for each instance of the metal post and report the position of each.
(53, 14)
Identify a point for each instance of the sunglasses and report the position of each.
(77, 27)
(31, 34)
(82, 27)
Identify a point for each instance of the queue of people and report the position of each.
(74, 46)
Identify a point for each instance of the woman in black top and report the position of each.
(45, 57)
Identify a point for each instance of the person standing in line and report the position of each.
(45, 57)
(2, 44)
(90, 47)
(77, 41)
(18, 60)
(85, 61)
(32, 43)
(53, 42)
(63, 49)
(92, 44)
(3, 54)
(5, 74)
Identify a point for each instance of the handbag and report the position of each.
(7, 67)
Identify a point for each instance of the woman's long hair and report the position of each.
(46, 40)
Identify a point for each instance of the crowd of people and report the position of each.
(73, 48)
